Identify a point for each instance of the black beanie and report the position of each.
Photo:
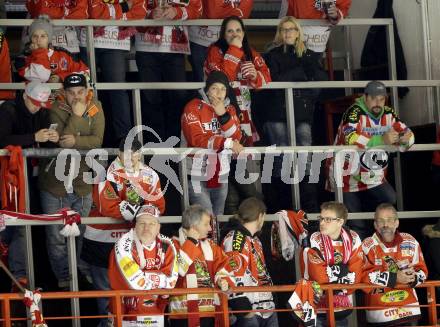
(217, 77)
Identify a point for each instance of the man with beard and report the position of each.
(334, 257)
(392, 258)
(369, 123)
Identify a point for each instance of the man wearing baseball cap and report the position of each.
(80, 122)
(24, 122)
(144, 259)
(369, 123)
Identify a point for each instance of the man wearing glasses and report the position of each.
(335, 257)
(392, 258)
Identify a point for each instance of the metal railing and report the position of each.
(137, 87)
(222, 310)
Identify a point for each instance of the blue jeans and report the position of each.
(163, 109)
(112, 64)
(197, 59)
(277, 134)
(55, 242)
(14, 237)
(366, 201)
(100, 282)
(257, 321)
(321, 321)
(212, 199)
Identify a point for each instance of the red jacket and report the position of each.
(12, 181)
(42, 63)
(119, 10)
(108, 194)
(230, 63)
(311, 9)
(317, 269)
(58, 9)
(382, 263)
(200, 265)
(216, 9)
(5, 68)
(191, 11)
(156, 265)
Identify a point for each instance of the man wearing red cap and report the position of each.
(144, 259)
(24, 122)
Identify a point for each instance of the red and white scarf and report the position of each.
(70, 218)
(329, 252)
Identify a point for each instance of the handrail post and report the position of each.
(6, 312)
(71, 255)
(225, 309)
(118, 309)
(432, 301)
(331, 310)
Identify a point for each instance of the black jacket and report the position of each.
(285, 66)
(18, 126)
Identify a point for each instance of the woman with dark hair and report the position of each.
(246, 70)
(244, 67)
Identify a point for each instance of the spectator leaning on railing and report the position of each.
(127, 186)
(24, 123)
(392, 258)
(144, 260)
(368, 123)
(244, 248)
(80, 122)
(334, 257)
(42, 61)
(202, 263)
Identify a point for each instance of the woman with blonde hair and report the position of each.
(289, 60)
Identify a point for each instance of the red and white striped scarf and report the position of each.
(329, 252)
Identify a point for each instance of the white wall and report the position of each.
(413, 108)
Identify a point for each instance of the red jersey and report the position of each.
(152, 270)
(5, 68)
(383, 261)
(203, 128)
(117, 10)
(249, 266)
(42, 63)
(342, 265)
(139, 189)
(216, 9)
(58, 9)
(200, 265)
(312, 9)
(231, 63)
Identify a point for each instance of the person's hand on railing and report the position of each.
(237, 147)
(42, 135)
(391, 137)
